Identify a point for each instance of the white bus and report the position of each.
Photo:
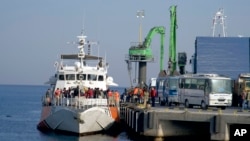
(205, 90)
(167, 90)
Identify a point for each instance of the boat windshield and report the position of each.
(221, 86)
(81, 76)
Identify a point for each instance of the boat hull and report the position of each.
(77, 121)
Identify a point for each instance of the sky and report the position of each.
(34, 33)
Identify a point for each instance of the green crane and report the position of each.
(144, 52)
(172, 40)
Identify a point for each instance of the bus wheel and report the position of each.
(187, 104)
(203, 105)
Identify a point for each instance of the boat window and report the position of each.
(92, 77)
(61, 77)
(83, 76)
(100, 78)
(70, 76)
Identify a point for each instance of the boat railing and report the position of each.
(77, 102)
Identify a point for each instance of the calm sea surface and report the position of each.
(20, 109)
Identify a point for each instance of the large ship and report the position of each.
(68, 105)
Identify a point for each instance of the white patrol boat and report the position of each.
(72, 112)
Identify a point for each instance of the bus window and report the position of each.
(247, 83)
(193, 84)
(187, 84)
(207, 87)
(181, 83)
(173, 83)
(201, 84)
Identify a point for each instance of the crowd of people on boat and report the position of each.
(113, 96)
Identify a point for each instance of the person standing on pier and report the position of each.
(153, 95)
(146, 96)
(244, 99)
(248, 100)
(135, 95)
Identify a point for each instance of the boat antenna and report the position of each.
(83, 23)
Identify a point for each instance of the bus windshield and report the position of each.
(173, 83)
(247, 84)
(221, 86)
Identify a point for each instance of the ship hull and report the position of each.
(77, 121)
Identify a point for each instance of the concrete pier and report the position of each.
(167, 122)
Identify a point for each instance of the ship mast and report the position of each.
(81, 43)
(219, 19)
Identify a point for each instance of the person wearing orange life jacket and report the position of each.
(117, 98)
(135, 94)
(140, 95)
(110, 97)
(57, 96)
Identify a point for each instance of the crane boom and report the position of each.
(147, 41)
(172, 40)
(144, 52)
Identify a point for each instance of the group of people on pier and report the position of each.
(140, 95)
(244, 100)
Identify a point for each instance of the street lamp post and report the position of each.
(140, 15)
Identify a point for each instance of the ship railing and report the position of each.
(81, 102)
(77, 102)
